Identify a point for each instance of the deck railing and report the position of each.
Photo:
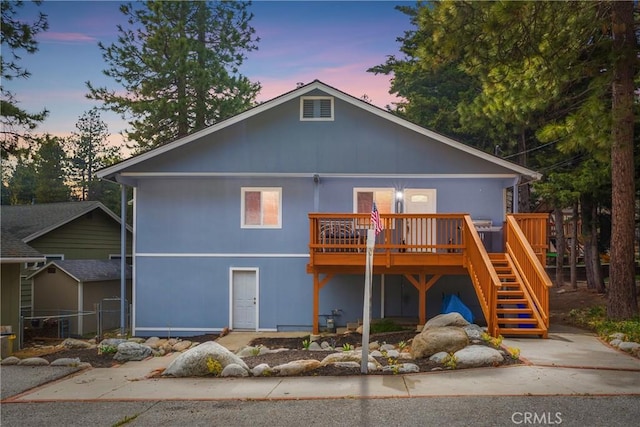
(534, 226)
(427, 233)
(527, 261)
(483, 276)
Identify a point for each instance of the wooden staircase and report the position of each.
(515, 309)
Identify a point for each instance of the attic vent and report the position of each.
(316, 108)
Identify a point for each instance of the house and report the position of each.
(62, 231)
(257, 223)
(14, 253)
(78, 289)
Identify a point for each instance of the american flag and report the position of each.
(375, 219)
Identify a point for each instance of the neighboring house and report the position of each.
(71, 287)
(62, 231)
(258, 223)
(14, 253)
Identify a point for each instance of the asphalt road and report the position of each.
(17, 379)
(576, 411)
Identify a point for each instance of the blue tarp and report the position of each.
(451, 303)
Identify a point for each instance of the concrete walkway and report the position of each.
(569, 362)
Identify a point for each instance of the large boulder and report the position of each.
(448, 319)
(478, 355)
(434, 340)
(128, 351)
(208, 358)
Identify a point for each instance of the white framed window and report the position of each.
(261, 207)
(363, 199)
(316, 108)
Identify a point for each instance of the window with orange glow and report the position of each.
(261, 208)
(364, 198)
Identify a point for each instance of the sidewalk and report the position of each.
(569, 362)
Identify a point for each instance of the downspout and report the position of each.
(123, 257)
(516, 201)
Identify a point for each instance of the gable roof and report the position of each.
(87, 270)
(110, 173)
(14, 250)
(27, 222)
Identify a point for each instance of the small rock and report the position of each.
(477, 355)
(66, 361)
(33, 361)
(387, 347)
(403, 368)
(234, 370)
(296, 367)
(111, 342)
(314, 346)
(615, 342)
(439, 357)
(137, 340)
(11, 360)
(262, 370)
(628, 346)
(74, 343)
(617, 336)
(181, 346)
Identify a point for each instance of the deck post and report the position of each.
(316, 300)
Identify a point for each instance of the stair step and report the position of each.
(502, 293)
(512, 301)
(517, 321)
(523, 310)
(522, 331)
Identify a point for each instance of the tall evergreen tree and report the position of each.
(21, 183)
(179, 65)
(51, 163)
(89, 152)
(17, 36)
(558, 72)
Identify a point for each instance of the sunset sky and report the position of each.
(333, 41)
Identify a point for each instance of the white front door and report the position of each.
(244, 291)
(420, 231)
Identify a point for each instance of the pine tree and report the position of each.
(50, 165)
(89, 152)
(17, 36)
(178, 63)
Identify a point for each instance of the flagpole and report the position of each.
(366, 317)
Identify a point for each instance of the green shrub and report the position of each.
(385, 325)
(595, 319)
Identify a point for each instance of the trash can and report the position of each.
(7, 338)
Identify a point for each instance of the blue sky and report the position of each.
(333, 41)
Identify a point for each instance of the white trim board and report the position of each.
(216, 255)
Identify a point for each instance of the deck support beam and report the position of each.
(317, 285)
(422, 286)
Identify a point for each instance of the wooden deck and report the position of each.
(425, 247)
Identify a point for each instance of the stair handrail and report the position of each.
(483, 275)
(535, 278)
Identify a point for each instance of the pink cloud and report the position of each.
(67, 37)
(352, 79)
